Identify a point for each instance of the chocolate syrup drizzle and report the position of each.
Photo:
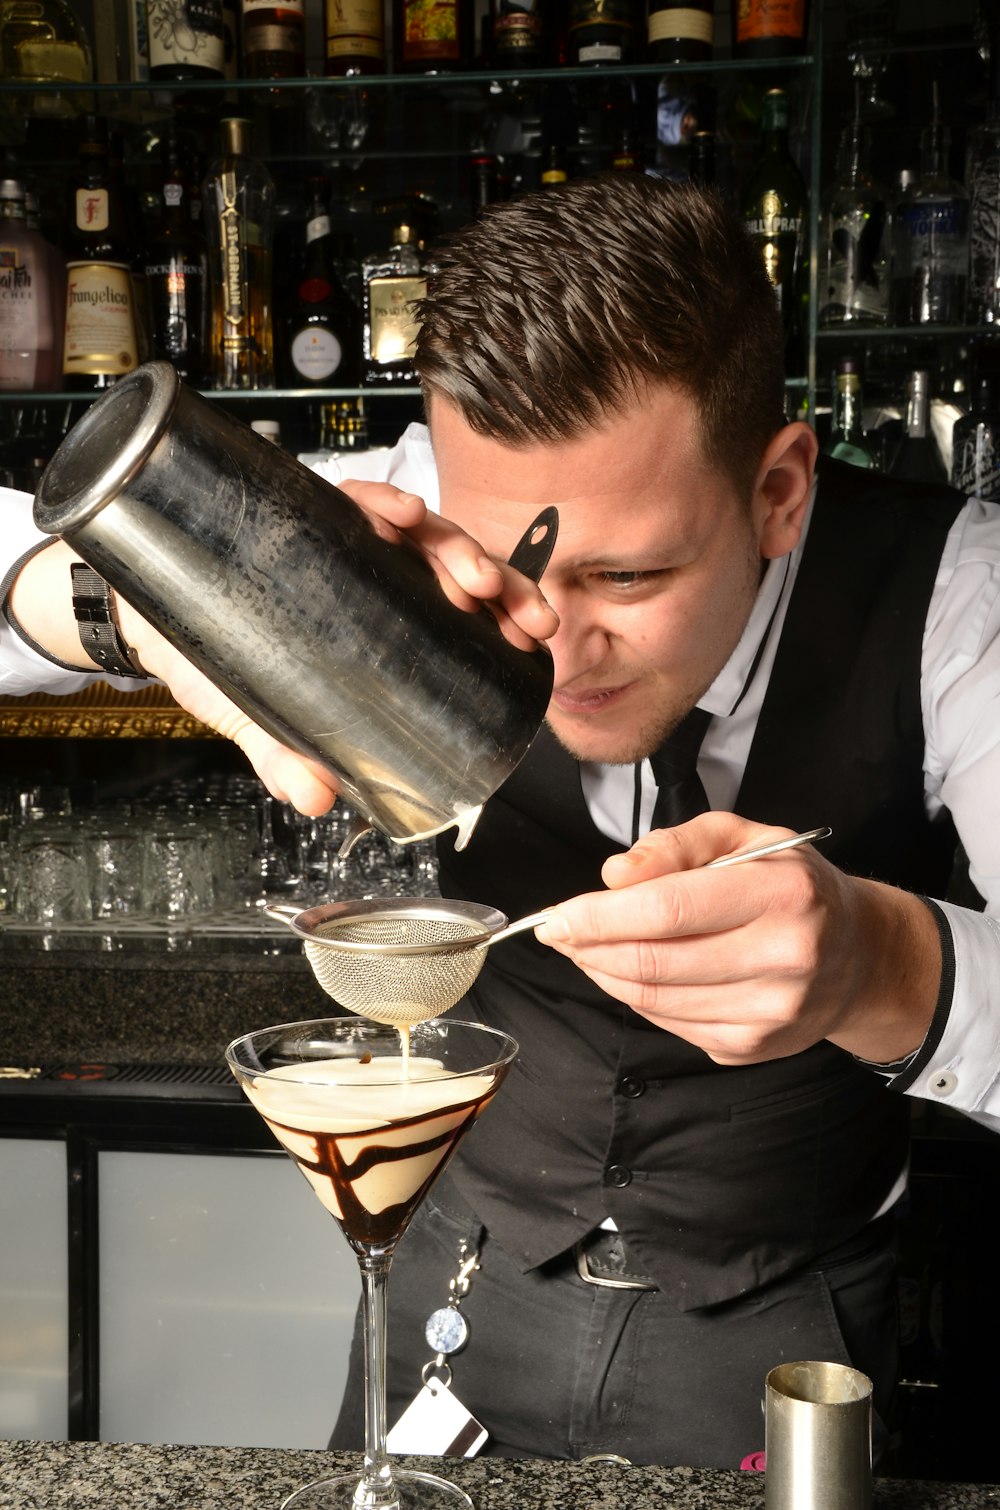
(369, 1229)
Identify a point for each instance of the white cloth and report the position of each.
(960, 688)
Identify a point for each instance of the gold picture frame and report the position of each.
(100, 712)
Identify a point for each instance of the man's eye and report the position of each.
(625, 578)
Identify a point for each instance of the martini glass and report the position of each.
(371, 1130)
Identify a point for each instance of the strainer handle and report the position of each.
(522, 924)
(283, 913)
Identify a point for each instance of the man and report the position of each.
(689, 1176)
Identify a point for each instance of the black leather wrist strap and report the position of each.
(100, 636)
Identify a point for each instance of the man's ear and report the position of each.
(783, 488)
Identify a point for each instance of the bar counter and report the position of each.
(129, 1476)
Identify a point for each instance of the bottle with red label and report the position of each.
(770, 28)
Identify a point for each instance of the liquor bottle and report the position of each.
(600, 31)
(680, 31)
(274, 39)
(44, 43)
(519, 34)
(391, 283)
(270, 429)
(975, 441)
(770, 28)
(177, 270)
(36, 431)
(930, 236)
(626, 152)
(847, 440)
(32, 299)
(554, 171)
(343, 432)
(321, 346)
(100, 342)
(775, 212)
(484, 182)
(186, 39)
(917, 456)
(984, 206)
(701, 159)
(355, 37)
(238, 196)
(432, 38)
(853, 263)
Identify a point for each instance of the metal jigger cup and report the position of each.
(818, 1420)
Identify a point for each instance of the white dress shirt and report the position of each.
(960, 697)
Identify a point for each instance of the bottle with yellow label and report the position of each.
(238, 205)
(355, 37)
(392, 282)
(100, 343)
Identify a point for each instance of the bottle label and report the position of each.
(318, 226)
(517, 28)
(604, 13)
(936, 233)
(187, 32)
(233, 269)
(695, 25)
(354, 27)
(287, 10)
(100, 320)
(430, 30)
(758, 20)
(393, 325)
(92, 209)
(17, 303)
(316, 354)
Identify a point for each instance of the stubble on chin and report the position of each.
(628, 747)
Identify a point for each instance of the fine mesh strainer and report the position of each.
(402, 960)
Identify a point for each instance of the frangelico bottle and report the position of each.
(238, 204)
(100, 343)
(775, 210)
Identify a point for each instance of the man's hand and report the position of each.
(468, 576)
(754, 961)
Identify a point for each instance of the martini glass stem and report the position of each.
(376, 1489)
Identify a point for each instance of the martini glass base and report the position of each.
(415, 1491)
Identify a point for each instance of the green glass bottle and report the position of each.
(847, 440)
(775, 210)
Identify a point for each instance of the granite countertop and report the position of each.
(129, 1476)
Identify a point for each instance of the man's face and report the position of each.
(654, 572)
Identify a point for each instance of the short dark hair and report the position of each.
(556, 309)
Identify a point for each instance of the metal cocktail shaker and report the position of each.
(275, 584)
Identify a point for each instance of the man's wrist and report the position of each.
(97, 622)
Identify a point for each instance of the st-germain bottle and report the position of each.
(177, 270)
(930, 239)
(775, 211)
(100, 343)
(680, 31)
(391, 283)
(186, 39)
(847, 440)
(322, 344)
(975, 441)
(238, 207)
(274, 39)
(32, 300)
(853, 259)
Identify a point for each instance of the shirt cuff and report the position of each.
(901, 1073)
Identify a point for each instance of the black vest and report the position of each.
(721, 1178)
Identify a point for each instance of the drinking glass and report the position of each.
(371, 1118)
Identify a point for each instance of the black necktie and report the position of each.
(675, 767)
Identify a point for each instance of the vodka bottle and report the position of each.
(853, 260)
(931, 239)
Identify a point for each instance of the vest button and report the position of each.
(631, 1086)
(617, 1174)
